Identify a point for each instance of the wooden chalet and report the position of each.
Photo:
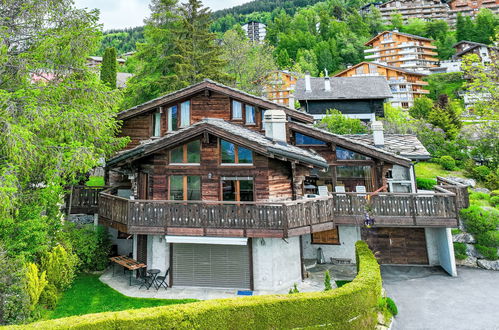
(240, 190)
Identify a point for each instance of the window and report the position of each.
(185, 114)
(304, 140)
(237, 110)
(156, 124)
(344, 154)
(189, 153)
(233, 154)
(354, 178)
(172, 118)
(327, 237)
(250, 115)
(237, 189)
(178, 119)
(185, 187)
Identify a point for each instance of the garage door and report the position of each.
(397, 245)
(206, 265)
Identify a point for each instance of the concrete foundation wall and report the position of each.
(441, 249)
(158, 253)
(276, 263)
(125, 246)
(348, 236)
(432, 247)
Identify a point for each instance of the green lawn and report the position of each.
(432, 170)
(95, 181)
(89, 295)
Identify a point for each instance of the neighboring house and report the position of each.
(470, 8)
(355, 97)
(217, 185)
(255, 31)
(279, 87)
(96, 61)
(447, 66)
(121, 79)
(424, 9)
(484, 52)
(404, 85)
(402, 50)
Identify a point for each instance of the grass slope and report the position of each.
(89, 295)
(432, 170)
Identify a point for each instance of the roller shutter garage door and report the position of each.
(207, 265)
(397, 245)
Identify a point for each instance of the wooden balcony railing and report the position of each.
(281, 219)
(83, 199)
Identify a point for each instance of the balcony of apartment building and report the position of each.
(438, 208)
(372, 50)
(373, 56)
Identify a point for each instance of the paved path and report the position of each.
(427, 298)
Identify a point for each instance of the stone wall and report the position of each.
(474, 258)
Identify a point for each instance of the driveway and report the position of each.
(428, 298)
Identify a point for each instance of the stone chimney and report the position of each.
(327, 84)
(378, 136)
(308, 85)
(274, 122)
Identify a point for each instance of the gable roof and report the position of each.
(399, 33)
(349, 143)
(229, 131)
(211, 85)
(344, 88)
(405, 145)
(383, 66)
(473, 46)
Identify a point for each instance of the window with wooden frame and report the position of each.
(237, 110)
(305, 140)
(237, 189)
(189, 153)
(232, 154)
(243, 112)
(179, 116)
(328, 237)
(185, 187)
(156, 124)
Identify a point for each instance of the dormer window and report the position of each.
(156, 124)
(237, 110)
(345, 154)
(187, 154)
(232, 154)
(179, 118)
(250, 115)
(305, 140)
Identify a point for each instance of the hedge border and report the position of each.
(353, 306)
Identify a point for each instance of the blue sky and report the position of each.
(129, 13)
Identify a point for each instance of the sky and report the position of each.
(116, 14)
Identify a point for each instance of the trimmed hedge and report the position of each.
(353, 306)
(425, 183)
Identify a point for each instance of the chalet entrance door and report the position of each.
(397, 245)
(210, 265)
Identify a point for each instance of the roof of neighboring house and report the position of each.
(405, 145)
(121, 78)
(344, 88)
(384, 66)
(99, 59)
(229, 131)
(473, 45)
(348, 142)
(208, 84)
(399, 33)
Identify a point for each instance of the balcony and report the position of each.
(368, 57)
(279, 219)
(371, 50)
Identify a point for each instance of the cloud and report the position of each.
(116, 14)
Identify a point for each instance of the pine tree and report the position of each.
(108, 68)
(283, 59)
(460, 28)
(197, 55)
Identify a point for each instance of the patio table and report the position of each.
(127, 263)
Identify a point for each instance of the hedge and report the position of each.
(353, 306)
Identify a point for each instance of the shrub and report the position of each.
(49, 297)
(479, 196)
(478, 221)
(294, 289)
(60, 266)
(489, 253)
(447, 162)
(425, 184)
(460, 251)
(35, 283)
(353, 306)
(91, 244)
(480, 172)
(494, 201)
(327, 281)
(489, 238)
(494, 193)
(390, 305)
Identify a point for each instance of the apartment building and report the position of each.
(470, 8)
(255, 31)
(405, 85)
(423, 9)
(279, 87)
(402, 50)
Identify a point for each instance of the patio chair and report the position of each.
(161, 280)
(145, 278)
